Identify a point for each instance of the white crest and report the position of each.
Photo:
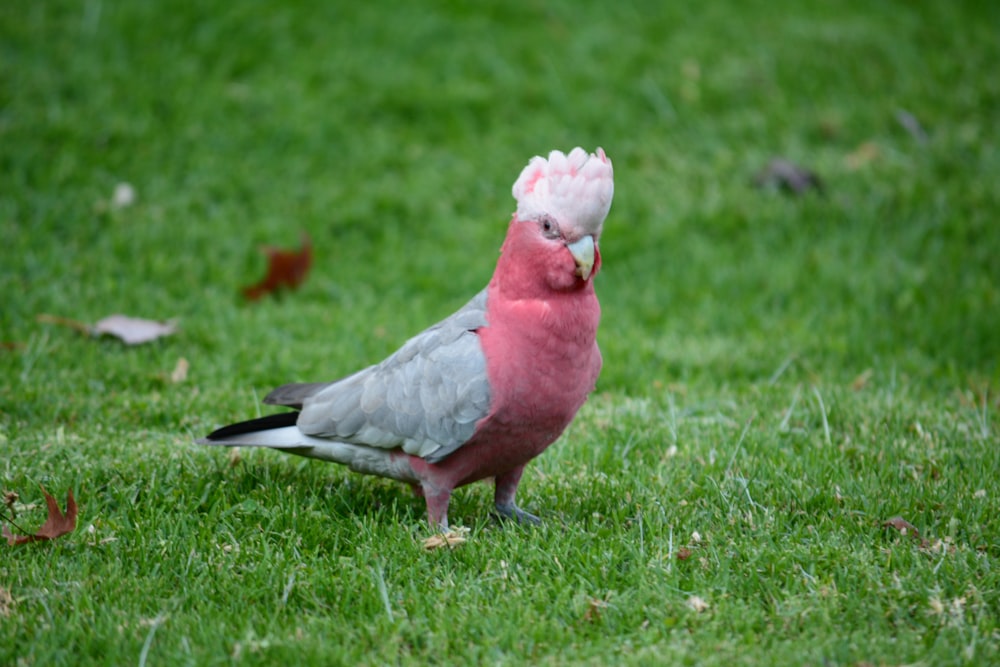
(575, 189)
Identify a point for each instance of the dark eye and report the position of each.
(549, 227)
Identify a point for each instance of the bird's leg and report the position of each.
(437, 499)
(503, 497)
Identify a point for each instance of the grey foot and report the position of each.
(514, 513)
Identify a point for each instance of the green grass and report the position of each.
(781, 376)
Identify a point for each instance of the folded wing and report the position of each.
(426, 398)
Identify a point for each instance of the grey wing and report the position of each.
(426, 398)
(293, 395)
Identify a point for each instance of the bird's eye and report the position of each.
(549, 227)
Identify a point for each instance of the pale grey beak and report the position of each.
(583, 254)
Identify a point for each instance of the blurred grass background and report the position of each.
(391, 135)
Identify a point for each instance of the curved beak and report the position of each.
(583, 254)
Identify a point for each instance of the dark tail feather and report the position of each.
(253, 425)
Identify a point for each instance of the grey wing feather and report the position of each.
(292, 395)
(426, 398)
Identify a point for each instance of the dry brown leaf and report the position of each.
(902, 525)
(905, 528)
(451, 539)
(10, 499)
(57, 525)
(684, 553)
(595, 608)
(286, 269)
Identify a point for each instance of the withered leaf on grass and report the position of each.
(784, 174)
(595, 608)
(133, 330)
(9, 499)
(862, 156)
(57, 525)
(286, 269)
(861, 381)
(180, 372)
(451, 539)
(129, 330)
(697, 604)
(6, 602)
(905, 528)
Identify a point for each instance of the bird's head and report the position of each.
(563, 201)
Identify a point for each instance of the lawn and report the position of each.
(784, 374)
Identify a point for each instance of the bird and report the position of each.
(484, 391)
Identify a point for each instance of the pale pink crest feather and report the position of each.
(575, 189)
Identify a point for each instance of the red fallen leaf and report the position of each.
(684, 553)
(286, 269)
(57, 525)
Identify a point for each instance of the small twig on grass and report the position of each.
(11, 521)
(82, 327)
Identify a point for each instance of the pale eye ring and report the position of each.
(549, 227)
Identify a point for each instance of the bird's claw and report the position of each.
(516, 514)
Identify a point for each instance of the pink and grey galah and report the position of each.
(486, 390)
